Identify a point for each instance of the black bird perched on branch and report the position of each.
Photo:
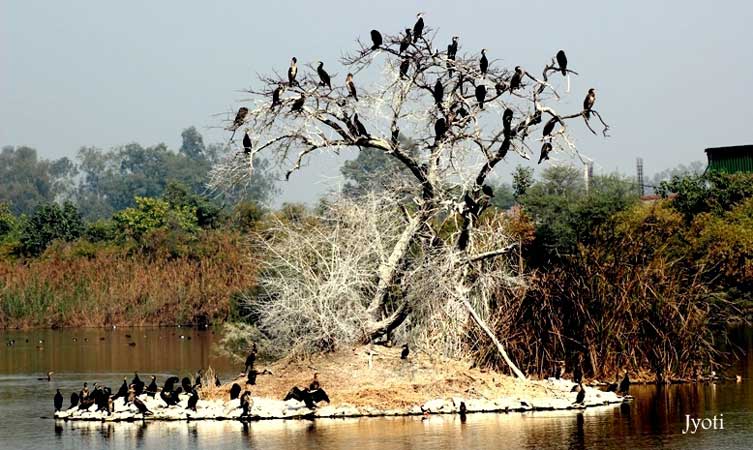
(480, 95)
(152, 389)
(418, 28)
(58, 400)
(235, 391)
(507, 120)
(404, 66)
(549, 127)
(293, 71)
(562, 62)
(452, 52)
(323, 75)
(405, 43)
(276, 96)
(483, 64)
(625, 384)
(376, 39)
(359, 126)
(351, 86)
(74, 400)
(440, 128)
(588, 103)
(298, 104)
(404, 353)
(545, 149)
(246, 143)
(240, 117)
(517, 78)
(438, 91)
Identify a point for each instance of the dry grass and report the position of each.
(390, 383)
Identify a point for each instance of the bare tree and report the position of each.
(464, 123)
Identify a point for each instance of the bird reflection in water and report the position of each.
(578, 438)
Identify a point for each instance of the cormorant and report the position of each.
(293, 72)
(276, 96)
(251, 377)
(578, 373)
(545, 149)
(170, 398)
(235, 391)
(440, 128)
(463, 409)
(48, 377)
(452, 52)
(505, 147)
(58, 400)
(323, 75)
(152, 389)
(123, 391)
(308, 397)
(246, 143)
(405, 43)
(438, 92)
(217, 382)
(250, 359)
(483, 64)
(246, 403)
(418, 28)
(359, 126)
(625, 384)
(517, 78)
(74, 400)
(549, 127)
(612, 387)
(351, 86)
(588, 103)
(501, 87)
(141, 407)
(240, 116)
(404, 66)
(84, 393)
(480, 95)
(298, 104)
(185, 383)
(169, 385)
(314, 382)
(376, 38)
(193, 400)
(138, 385)
(562, 62)
(404, 353)
(507, 120)
(581, 395)
(197, 380)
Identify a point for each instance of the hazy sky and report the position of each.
(673, 77)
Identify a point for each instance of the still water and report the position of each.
(654, 420)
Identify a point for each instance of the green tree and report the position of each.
(50, 222)
(7, 220)
(208, 214)
(28, 181)
(711, 192)
(151, 214)
(522, 179)
(193, 144)
(504, 196)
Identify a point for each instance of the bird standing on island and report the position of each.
(323, 75)
(250, 359)
(612, 387)
(376, 39)
(562, 62)
(293, 72)
(581, 395)
(404, 353)
(588, 103)
(483, 63)
(246, 403)
(235, 391)
(58, 400)
(418, 28)
(152, 389)
(315, 382)
(624, 388)
(351, 86)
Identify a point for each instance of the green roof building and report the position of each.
(730, 159)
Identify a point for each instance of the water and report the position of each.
(654, 420)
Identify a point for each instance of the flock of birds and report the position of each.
(102, 398)
(441, 125)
